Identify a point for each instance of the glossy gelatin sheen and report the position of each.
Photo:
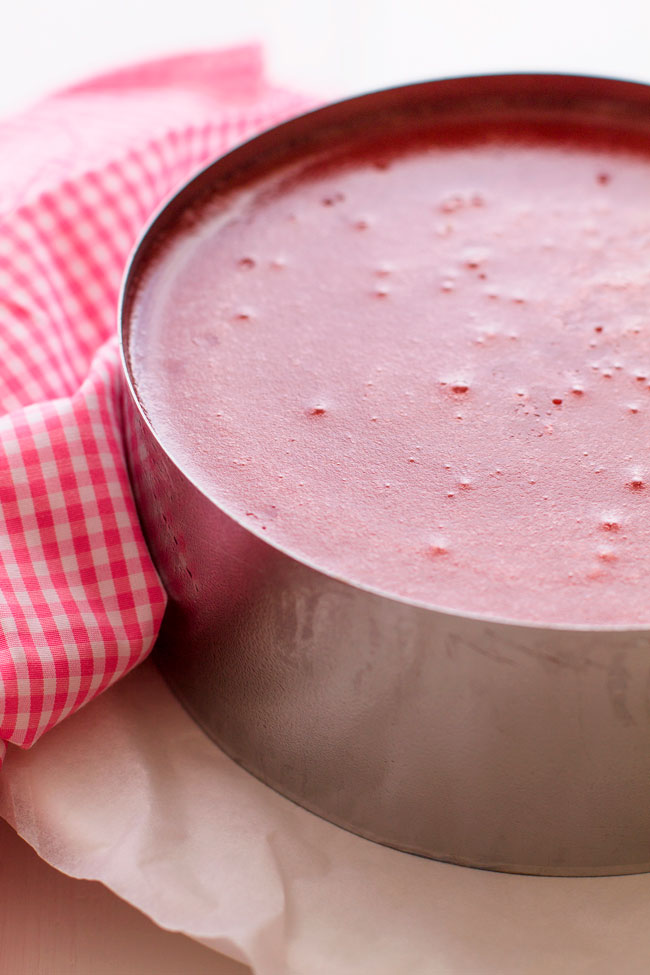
(421, 363)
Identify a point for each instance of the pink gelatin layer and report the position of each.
(424, 366)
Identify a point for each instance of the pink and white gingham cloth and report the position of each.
(80, 601)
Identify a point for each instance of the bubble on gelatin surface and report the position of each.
(438, 546)
(456, 387)
(607, 555)
(331, 199)
(636, 481)
(243, 314)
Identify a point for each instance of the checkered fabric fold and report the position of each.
(80, 601)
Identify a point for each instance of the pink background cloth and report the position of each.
(80, 173)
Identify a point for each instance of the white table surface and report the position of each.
(326, 45)
(51, 924)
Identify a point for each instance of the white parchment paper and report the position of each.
(130, 792)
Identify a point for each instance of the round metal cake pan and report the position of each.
(523, 748)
